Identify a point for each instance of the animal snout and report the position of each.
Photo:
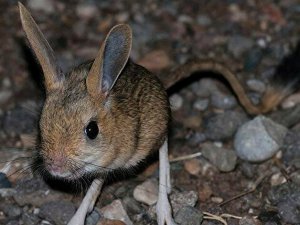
(56, 165)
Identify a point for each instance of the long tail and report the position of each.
(274, 94)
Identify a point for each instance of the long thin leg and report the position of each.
(163, 207)
(87, 203)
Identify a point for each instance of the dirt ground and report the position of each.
(250, 37)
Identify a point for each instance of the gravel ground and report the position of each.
(227, 182)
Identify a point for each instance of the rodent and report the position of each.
(111, 113)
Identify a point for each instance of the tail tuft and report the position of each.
(285, 81)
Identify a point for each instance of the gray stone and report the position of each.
(222, 126)
(223, 101)
(253, 59)
(116, 211)
(248, 169)
(201, 104)
(203, 20)
(204, 88)
(46, 6)
(11, 210)
(256, 85)
(177, 201)
(147, 192)
(13, 222)
(259, 139)
(5, 95)
(176, 101)
(247, 220)
(283, 192)
(291, 149)
(86, 10)
(19, 120)
(238, 45)
(289, 210)
(188, 215)
(30, 219)
(59, 212)
(92, 218)
(132, 206)
(180, 199)
(4, 182)
(223, 159)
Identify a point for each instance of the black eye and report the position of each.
(92, 130)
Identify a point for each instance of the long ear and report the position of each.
(44, 53)
(110, 61)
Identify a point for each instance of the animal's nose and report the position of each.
(56, 165)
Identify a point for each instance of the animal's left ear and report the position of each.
(110, 61)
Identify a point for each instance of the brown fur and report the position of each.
(129, 104)
(133, 120)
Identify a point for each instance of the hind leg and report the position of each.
(163, 207)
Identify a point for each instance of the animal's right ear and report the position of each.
(44, 53)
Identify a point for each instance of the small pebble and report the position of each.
(201, 104)
(256, 85)
(86, 11)
(217, 200)
(248, 169)
(176, 101)
(290, 101)
(247, 220)
(203, 20)
(291, 149)
(259, 139)
(131, 205)
(59, 212)
(204, 88)
(253, 58)
(188, 215)
(289, 209)
(180, 199)
(277, 179)
(296, 177)
(92, 218)
(177, 201)
(283, 192)
(4, 182)
(223, 101)
(147, 192)
(238, 45)
(5, 95)
(222, 126)
(192, 166)
(30, 219)
(193, 121)
(46, 6)
(224, 159)
(116, 211)
(11, 210)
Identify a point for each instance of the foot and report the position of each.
(164, 211)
